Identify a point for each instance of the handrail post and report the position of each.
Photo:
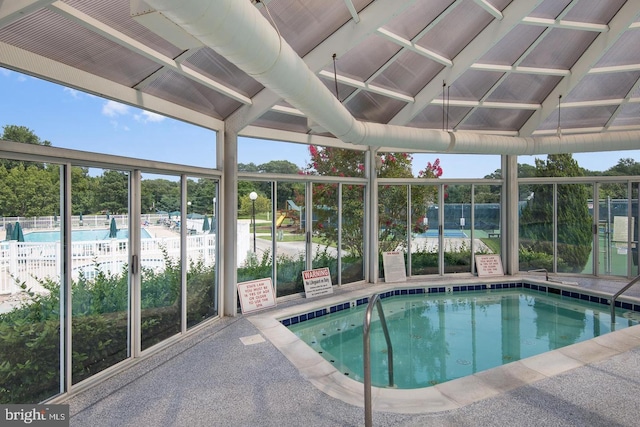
(617, 294)
(366, 344)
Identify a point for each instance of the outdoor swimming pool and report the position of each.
(80, 235)
(446, 232)
(437, 336)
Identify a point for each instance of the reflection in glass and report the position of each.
(201, 251)
(486, 221)
(100, 288)
(392, 214)
(536, 228)
(259, 264)
(575, 233)
(613, 237)
(30, 271)
(424, 220)
(290, 242)
(457, 229)
(160, 260)
(324, 228)
(352, 233)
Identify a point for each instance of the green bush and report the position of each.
(30, 333)
(537, 256)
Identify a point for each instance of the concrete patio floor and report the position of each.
(229, 373)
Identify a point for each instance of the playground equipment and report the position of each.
(292, 212)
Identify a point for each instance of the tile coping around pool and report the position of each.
(451, 394)
(432, 290)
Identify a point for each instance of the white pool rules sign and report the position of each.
(256, 295)
(317, 282)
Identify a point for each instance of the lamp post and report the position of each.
(253, 196)
(187, 221)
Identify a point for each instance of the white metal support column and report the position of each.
(555, 227)
(371, 220)
(339, 244)
(229, 226)
(135, 281)
(595, 253)
(509, 215)
(472, 227)
(184, 262)
(308, 219)
(408, 219)
(441, 229)
(66, 361)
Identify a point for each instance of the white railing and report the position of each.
(29, 262)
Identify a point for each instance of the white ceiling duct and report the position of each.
(238, 31)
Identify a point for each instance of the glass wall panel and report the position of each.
(202, 295)
(160, 260)
(353, 207)
(30, 256)
(291, 242)
(392, 215)
(613, 226)
(324, 228)
(486, 221)
(457, 229)
(575, 231)
(536, 227)
(424, 224)
(254, 240)
(100, 287)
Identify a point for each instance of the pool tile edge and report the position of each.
(493, 382)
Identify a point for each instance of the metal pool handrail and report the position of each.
(613, 299)
(374, 300)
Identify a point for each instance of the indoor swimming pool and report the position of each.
(439, 335)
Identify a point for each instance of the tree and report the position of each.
(28, 190)
(614, 190)
(24, 135)
(573, 218)
(626, 166)
(392, 199)
(113, 194)
(160, 195)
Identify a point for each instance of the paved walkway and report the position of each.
(228, 374)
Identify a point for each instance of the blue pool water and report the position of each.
(447, 233)
(440, 338)
(79, 235)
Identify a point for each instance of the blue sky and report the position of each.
(72, 119)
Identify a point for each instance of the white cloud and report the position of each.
(74, 93)
(118, 126)
(113, 109)
(9, 73)
(149, 117)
